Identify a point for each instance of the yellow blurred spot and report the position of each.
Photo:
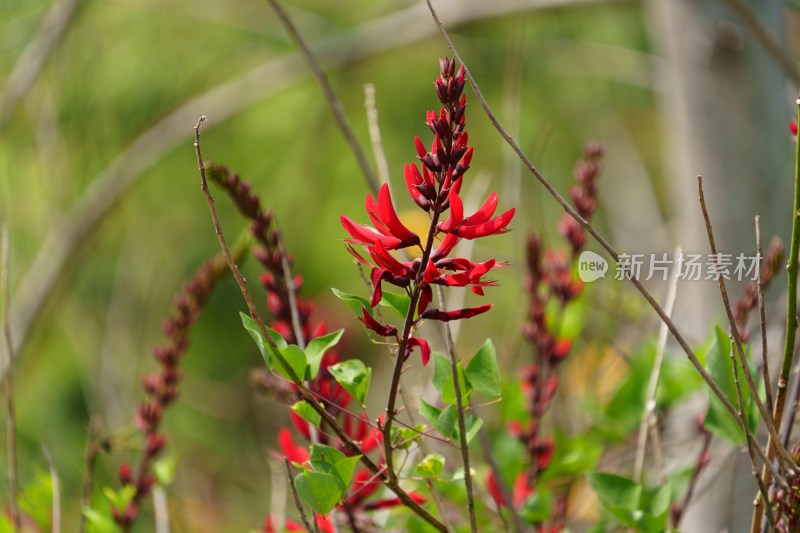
(419, 222)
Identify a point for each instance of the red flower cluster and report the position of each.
(551, 279)
(162, 386)
(436, 190)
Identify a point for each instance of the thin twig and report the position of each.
(336, 105)
(766, 38)
(30, 62)
(648, 414)
(586, 225)
(768, 422)
(762, 321)
(90, 458)
(296, 498)
(378, 153)
(390, 481)
(56, 491)
(462, 426)
(751, 442)
(11, 431)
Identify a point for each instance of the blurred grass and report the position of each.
(122, 66)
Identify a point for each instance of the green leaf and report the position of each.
(631, 504)
(446, 422)
(98, 522)
(483, 372)
(252, 328)
(403, 438)
(396, 302)
(344, 469)
(449, 390)
(307, 413)
(294, 358)
(356, 303)
(322, 454)
(122, 498)
(354, 377)
(319, 490)
(316, 348)
(431, 465)
(164, 469)
(616, 492)
(538, 507)
(441, 371)
(429, 412)
(473, 425)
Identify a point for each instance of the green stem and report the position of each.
(791, 304)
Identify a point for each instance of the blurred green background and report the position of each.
(115, 104)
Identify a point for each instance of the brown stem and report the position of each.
(462, 426)
(11, 432)
(296, 497)
(348, 443)
(336, 105)
(762, 321)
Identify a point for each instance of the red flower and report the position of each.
(296, 454)
(447, 316)
(377, 327)
(423, 347)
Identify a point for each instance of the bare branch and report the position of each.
(333, 101)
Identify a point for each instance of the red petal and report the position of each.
(384, 259)
(456, 214)
(294, 453)
(421, 151)
(389, 216)
(377, 327)
(449, 241)
(372, 210)
(423, 347)
(494, 226)
(365, 235)
(431, 273)
(425, 298)
(484, 213)
(447, 316)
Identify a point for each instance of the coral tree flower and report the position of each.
(435, 189)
